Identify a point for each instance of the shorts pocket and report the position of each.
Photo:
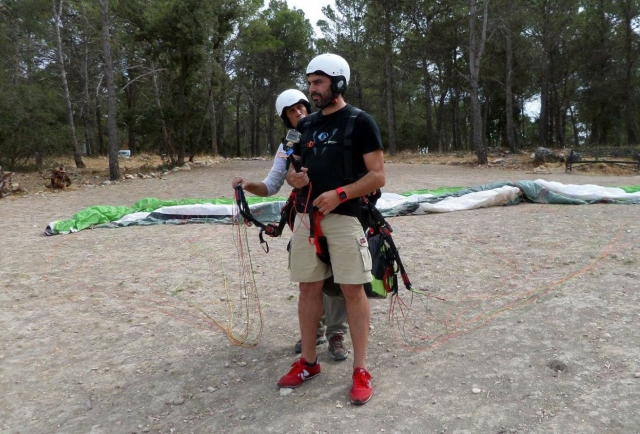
(363, 246)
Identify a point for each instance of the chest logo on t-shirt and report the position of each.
(321, 140)
(325, 138)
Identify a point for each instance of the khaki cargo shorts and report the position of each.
(348, 249)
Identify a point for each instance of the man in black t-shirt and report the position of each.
(342, 160)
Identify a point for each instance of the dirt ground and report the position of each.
(528, 321)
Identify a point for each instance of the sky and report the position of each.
(312, 10)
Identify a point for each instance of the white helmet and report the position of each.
(288, 98)
(333, 66)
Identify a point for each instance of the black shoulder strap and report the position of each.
(347, 148)
(304, 137)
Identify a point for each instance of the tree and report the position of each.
(345, 33)
(57, 22)
(629, 11)
(476, 48)
(273, 50)
(114, 169)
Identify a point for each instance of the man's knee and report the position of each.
(352, 292)
(311, 290)
(311, 286)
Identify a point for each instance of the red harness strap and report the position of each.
(319, 240)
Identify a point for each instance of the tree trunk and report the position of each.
(271, 130)
(130, 93)
(168, 148)
(182, 145)
(475, 56)
(196, 144)
(630, 58)
(114, 168)
(574, 124)
(544, 86)
(237, 124)
(442, 146)
(17, 58)
(86, 109)
(426, 77)
(57, 17)
(213, 123)
(388, 70)
(511, 137)
(253, 129)
(99, 131)
(456, 124)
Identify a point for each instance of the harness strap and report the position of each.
(347, 148)
(319, 240)
(306, 126)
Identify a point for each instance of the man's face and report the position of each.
(320, 90)
(295, 113)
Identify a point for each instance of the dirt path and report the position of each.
(531, 325)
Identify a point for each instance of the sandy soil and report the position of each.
(528, 323)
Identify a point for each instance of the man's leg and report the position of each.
(306, 268)
(309, 313)
(321, 332)
(335, 312)
(358, 315)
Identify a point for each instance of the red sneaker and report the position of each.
(361, 390)
(299, 373)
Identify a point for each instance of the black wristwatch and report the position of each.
(342, 195)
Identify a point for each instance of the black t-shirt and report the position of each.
(321, 149)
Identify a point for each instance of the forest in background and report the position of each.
(184, 77)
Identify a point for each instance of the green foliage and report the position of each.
(178, 63)
(32, 119)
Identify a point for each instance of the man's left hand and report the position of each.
(327, 202)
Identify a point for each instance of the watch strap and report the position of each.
(342, 195)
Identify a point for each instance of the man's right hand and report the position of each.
(298, 179)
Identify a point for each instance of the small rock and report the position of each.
(476, 390)
(636, 375)
(557, 365)
(285, 391)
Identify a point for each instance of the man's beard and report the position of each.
(324, 101)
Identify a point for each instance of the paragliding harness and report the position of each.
(287, 216)
(386, 262)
